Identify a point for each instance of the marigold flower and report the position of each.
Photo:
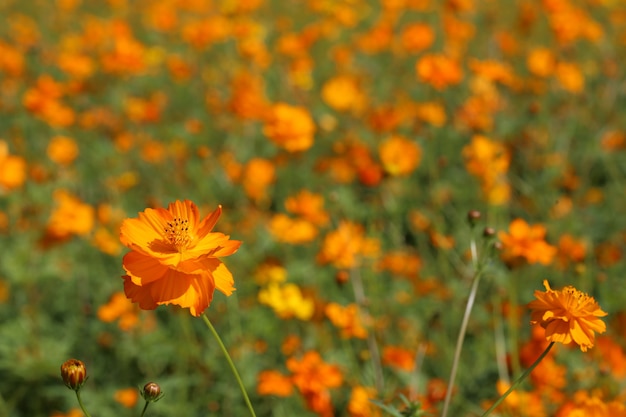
(174, 257)
(290, 127)
(568, 315)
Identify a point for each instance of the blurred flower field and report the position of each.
(374, 157)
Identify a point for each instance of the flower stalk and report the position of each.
(230, 363)
(519, 380)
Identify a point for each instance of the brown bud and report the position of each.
(151, 392)
(74, 374)
(489, 232)
(473, 216)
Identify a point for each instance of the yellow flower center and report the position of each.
(177, 233)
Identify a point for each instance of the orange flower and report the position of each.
(360, 404)
(439, 71)
(347, 320)
(527, 242)
(344, 246)
(12, 168)
(294, 231)
(399, 155)
(119, 307)
(308, 205)
(174, 257)
(62, 150)
(71, 216)
(568, 315)
(342, 93)
(127, 397)
(313, 377)
(274, 383)
(399, 357)
(417, 36)
(257, 176)
(290, 127)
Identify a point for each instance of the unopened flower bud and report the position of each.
(74, 374)
(152, 392)
(473, 216)
(489, 232)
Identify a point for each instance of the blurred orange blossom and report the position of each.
(568, 315)
(174, 257)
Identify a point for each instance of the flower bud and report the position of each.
(74, 374)
(489, 232)
(151, 392)
(473, 216)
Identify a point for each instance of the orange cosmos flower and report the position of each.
(439, 71)
(12, 168)
(174, 257)
(290, 127)
(527, 242)
(568, 315)
(399, 155)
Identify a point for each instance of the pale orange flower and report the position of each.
(570, 77)
(119, 307)
(399, 155)
(541, 62)
(257, 175)
(567, 315)
(527, 242)
(174, 257)
(440, 71)
(290, 127)
(308, 205)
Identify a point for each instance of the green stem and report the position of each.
(80, 402)
(230, 362)
(519, 380)
(145, 407)
(461, 337)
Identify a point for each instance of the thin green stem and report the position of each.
(230, 362)
(145, 407)
(519, 380)
(80, 402)
(461, 337)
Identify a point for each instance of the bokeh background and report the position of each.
(346, 141)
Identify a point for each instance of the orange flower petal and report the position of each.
(224, 281)
(143, 269)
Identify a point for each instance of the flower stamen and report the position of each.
(177, 233)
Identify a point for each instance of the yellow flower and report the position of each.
(287, 301)
(568, 315)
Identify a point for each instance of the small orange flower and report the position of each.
(399, 155)
(568, 315)
(527, 242)
(12, 168)
(174, 257)
(417, 36)
(127, 397)
(290, 127)
(342, 93)
(360, 404)
(274, 383)
(62, 150)
(347, 320)
(439, 71)
(399, 357)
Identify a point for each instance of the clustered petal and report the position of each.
(174, 257)
(567, 315)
